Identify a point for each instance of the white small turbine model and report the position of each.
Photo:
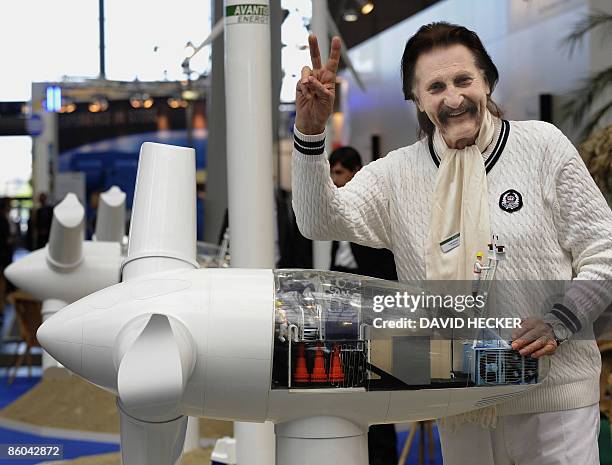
(295, 347)
(69, 267)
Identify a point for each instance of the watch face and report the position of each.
(561, 332)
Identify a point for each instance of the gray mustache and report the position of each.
(467, 106)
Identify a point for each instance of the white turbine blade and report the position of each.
(65, 249)
(163, 226)
(215, 32)
(152, 375)
(110, 224)
(145, 443)
(331, 24)
(20, 272)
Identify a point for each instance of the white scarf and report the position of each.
(460, 227)
(459, 207)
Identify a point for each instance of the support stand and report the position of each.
(321, 440)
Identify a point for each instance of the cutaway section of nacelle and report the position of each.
(331, 333)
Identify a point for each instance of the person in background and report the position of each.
(7, 246)
(92, 213)
(349, 257)
(39, 225)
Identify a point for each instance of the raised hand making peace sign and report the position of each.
(316, 89)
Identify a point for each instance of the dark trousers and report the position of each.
(382, 445)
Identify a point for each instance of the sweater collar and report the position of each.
(494, 150)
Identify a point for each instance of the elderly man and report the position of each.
(435, 204)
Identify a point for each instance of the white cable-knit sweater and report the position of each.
(563, 229)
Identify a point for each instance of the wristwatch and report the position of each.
(560, 331)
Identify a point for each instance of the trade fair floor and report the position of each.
(46, 412)
(21, 400)
(14, 403)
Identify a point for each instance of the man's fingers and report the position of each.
(534, 337)
(334, 55)
(315, 54)
(525, 339)
(548, 349)
(303, 90)
(535, 345)
(319, 88)
(306, 73)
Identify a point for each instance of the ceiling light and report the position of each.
(68, 106)
(176, 102)
(141, 100)
(190, 94)
(366, 6)
(350, 16)
(98, 104)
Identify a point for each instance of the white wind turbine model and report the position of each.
(294, 347)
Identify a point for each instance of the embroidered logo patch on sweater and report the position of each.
(511, 201)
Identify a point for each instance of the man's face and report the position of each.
(452, 91)
(341, 175)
